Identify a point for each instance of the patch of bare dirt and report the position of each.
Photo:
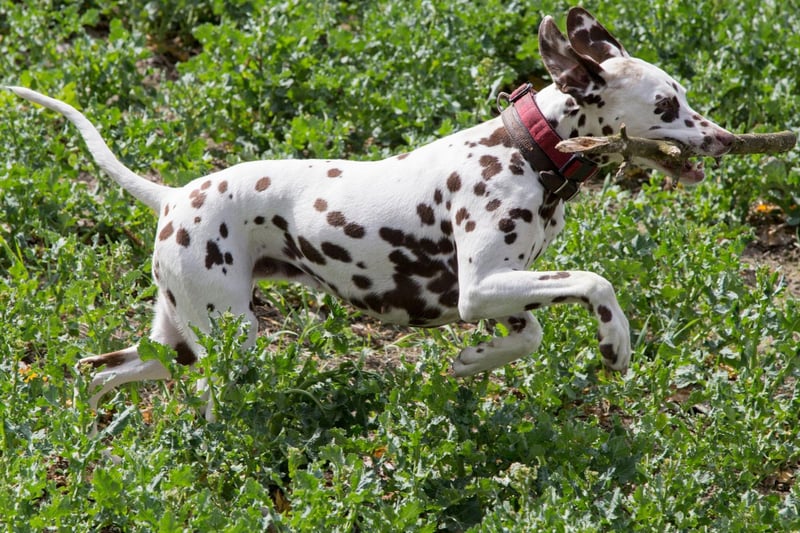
(776, 246)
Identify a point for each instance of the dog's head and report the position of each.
(594, 68)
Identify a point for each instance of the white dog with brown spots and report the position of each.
(447, 232)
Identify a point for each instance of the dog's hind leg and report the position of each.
(126, 365)
(119, 367)
(195, 302)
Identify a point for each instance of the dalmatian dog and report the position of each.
(444, 233)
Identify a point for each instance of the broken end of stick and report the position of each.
(581, 144)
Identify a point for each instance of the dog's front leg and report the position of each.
(507, 293)
(523, 338)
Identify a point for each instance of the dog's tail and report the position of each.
(145, 190)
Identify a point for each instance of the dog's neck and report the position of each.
(566, 116)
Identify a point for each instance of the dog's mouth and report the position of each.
(689, 172)
(690, 169)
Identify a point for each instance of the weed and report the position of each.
(332, 422)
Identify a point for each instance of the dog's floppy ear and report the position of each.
(572, 73)
(589, 38)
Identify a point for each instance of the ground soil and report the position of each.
(776, 247)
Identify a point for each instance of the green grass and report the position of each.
(330, 423)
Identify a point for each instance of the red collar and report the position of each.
(560, 173)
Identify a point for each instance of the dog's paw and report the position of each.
(465, 363)
(616, 358)
(615, 338)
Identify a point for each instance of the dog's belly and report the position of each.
(395, 276)
(398, 298)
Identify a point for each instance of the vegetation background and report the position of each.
(336, 423)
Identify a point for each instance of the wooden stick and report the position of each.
(671, 152)
(764, 143)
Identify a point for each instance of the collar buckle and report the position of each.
(578, 168)
(509, 99)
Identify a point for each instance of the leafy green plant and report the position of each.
(331, 421)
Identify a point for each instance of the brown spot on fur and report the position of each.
(171, 298)
(517, 165)
(506, 225)
(493, 204)
(182, 237)
(110, 360)
(491, 166)
(604, 313)
(524, 214)
(426, 215)
(669, 108)
(185, 354)
(334, 173)
(454, 182)
(334, 251)
(548, 207)
(362, 282)
(336, 219)
(395, 237)
(320, 205)
(480, 189)
(461, 215)
(607, 350)
(498, 136)
(198, 198)
(290, 248)
(310, 252)
(205, 185)
(222, 186)
(263, 184)
(213, 255)
(223, 230)
(354, 231)
(165, 232)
